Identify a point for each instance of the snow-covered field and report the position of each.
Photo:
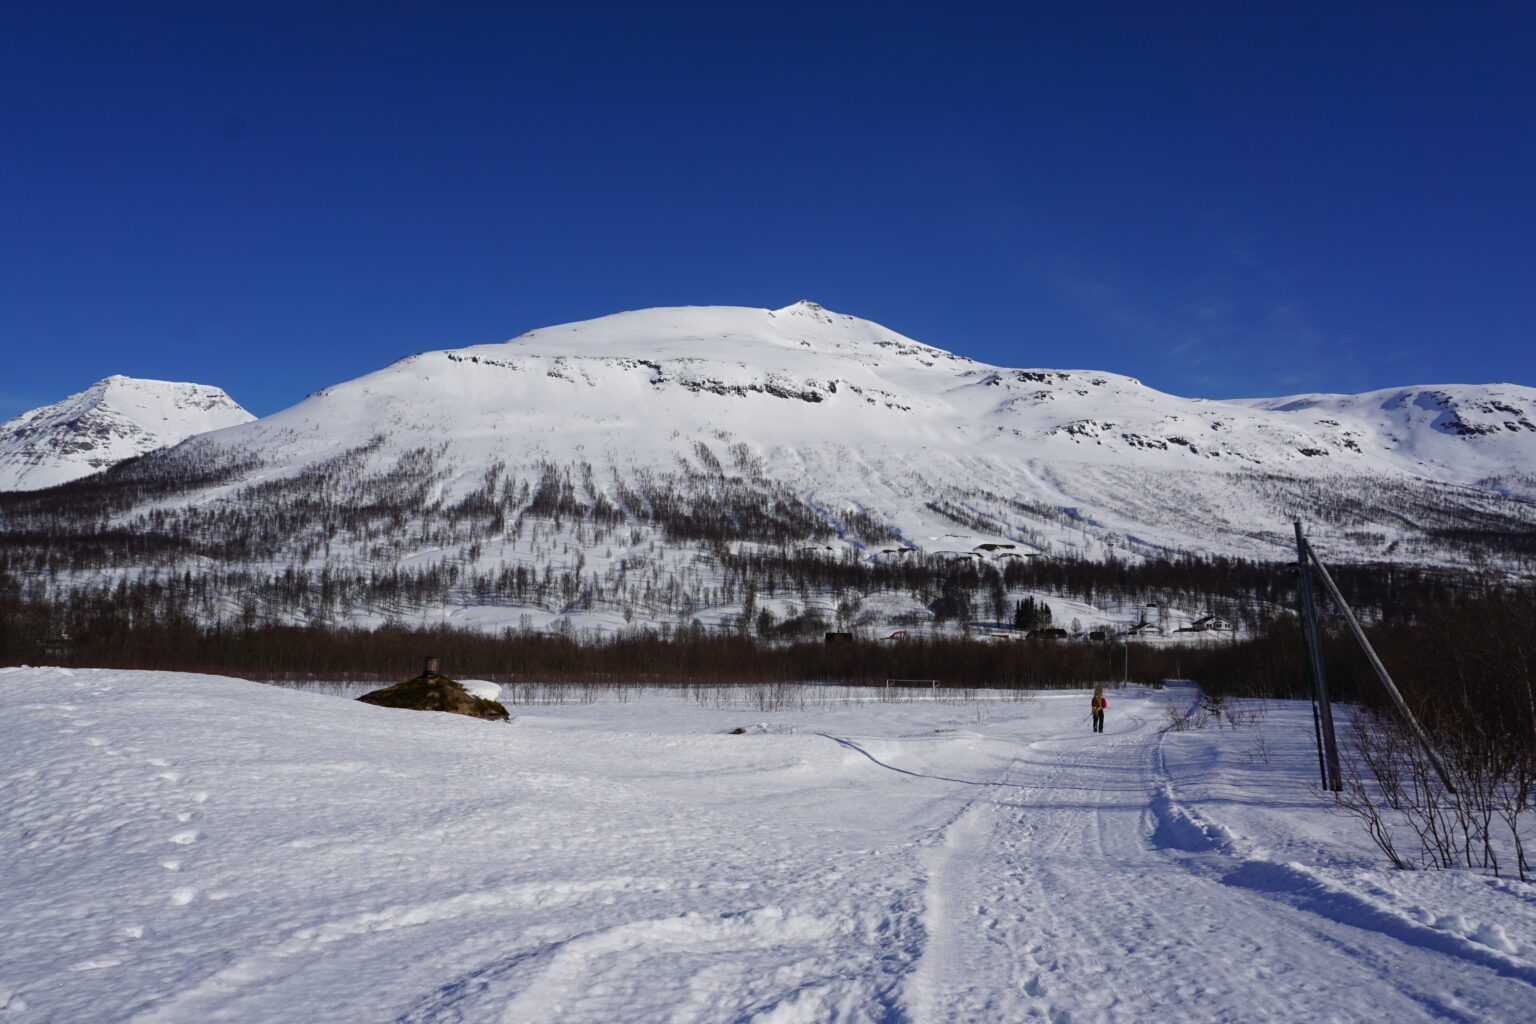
(190, 849)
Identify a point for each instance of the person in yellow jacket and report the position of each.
(1098, 705)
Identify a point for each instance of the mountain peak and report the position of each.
(804, 337)
(116, 418)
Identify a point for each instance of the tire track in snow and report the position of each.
(290, 953)
(692, 967)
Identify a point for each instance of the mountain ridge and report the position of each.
(663, 463)
(805, 352)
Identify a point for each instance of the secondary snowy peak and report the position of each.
(1449, 410)
(114, 419)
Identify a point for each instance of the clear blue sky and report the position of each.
(1223, 199)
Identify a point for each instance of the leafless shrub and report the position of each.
(1372, 783)
(1244, 713)
(1393, 789)
(1182, 715)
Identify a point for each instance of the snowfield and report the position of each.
(184, 849)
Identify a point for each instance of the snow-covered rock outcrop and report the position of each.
(114, 419)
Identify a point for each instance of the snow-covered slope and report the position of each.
(114, 419)
(607, 468)
(635, 383)
(1454, 432)
(852, 416)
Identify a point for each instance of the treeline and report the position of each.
(112, 638)
(1474, 651)
(385, 508)
(376, 533)
(1246, 591)
(649, 587)
(1473, 648)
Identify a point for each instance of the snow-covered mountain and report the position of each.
(799, 382)
(850, 415)
(114, 419)
(621, 462)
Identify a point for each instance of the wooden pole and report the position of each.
(1380, 669)
(1334, 776)
(1306, 647)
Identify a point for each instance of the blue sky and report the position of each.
(1222, 199)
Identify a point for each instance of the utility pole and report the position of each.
(1376, 665)
(1332, 775)
(1317, 722)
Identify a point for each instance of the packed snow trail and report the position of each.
(1057, 896)
(187, 849)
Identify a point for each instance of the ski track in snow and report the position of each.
(1052, 900)
(187, 849)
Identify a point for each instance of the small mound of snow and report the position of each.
(1493, 936)
(1178, 828)
(481, 688)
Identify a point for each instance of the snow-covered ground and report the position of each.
(190, 849)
